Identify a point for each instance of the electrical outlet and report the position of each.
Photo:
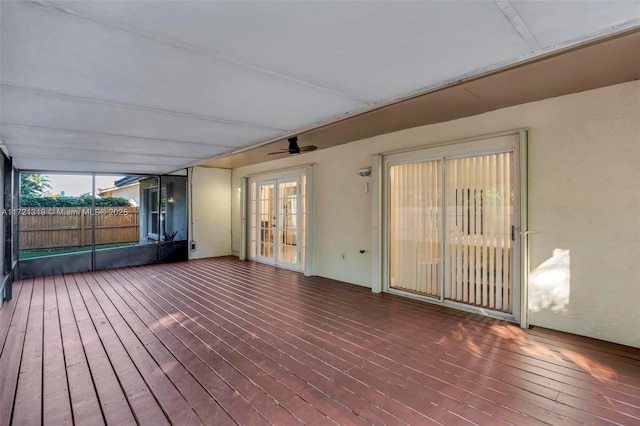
(193, 245)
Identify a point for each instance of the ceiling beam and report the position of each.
(517, 22)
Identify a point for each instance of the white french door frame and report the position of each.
(513, 141)
(271, 228)
(284, 218)
(306, 204)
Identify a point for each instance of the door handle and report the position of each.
(514, 230)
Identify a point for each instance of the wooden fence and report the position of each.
(62, 227)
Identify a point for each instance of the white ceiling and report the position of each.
(150, 87)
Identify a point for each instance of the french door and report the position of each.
(453, 222)
(277, 215)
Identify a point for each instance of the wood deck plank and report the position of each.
(203, 404)
(233, 337)
(6, 314)
(11, 356)
(56, 403)
(454, 393)
(247, 343)
(254, 338)
(546, 387)
(28, 401)
(141, 398)
(230, 365)
(85, 405)
(402, 330)
(172, 402)
(172, 328)
(109, 393)
(312, 347)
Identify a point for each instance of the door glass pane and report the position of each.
(153, 201)
(479, 218)
(303, 219)
(288, 222)
(415, 227)
(253, 235)
(266, 218)
(154, 223)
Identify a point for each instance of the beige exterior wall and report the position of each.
(130, 192)
(210, 197)
(584, 205)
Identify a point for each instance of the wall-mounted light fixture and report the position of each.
(366, 172)
(170, 200)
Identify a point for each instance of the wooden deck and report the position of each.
(220, 341)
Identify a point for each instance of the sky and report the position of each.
(74, 185)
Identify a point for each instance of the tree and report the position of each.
(34, 185)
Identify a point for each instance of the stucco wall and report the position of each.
(210, 198)
(584, 205)
(130, 192)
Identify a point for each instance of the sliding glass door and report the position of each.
(480, 218)
(416, 227)
(452, 226)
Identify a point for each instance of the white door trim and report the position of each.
(261, 231)
(298, 266)
(308, 172)
(456, 148)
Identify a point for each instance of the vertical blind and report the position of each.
(416, 220)
(479, 212)
(479, 218)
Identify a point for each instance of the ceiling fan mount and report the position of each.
(294, 148)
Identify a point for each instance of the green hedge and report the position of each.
(27, 201)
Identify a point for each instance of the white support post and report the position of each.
(376, 225)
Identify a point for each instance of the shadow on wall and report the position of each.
(550, 283)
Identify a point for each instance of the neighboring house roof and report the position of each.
(106, 189)
(120, 184)
(128, 180)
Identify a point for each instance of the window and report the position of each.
(152, 224)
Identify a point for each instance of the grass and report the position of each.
(55, 252)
